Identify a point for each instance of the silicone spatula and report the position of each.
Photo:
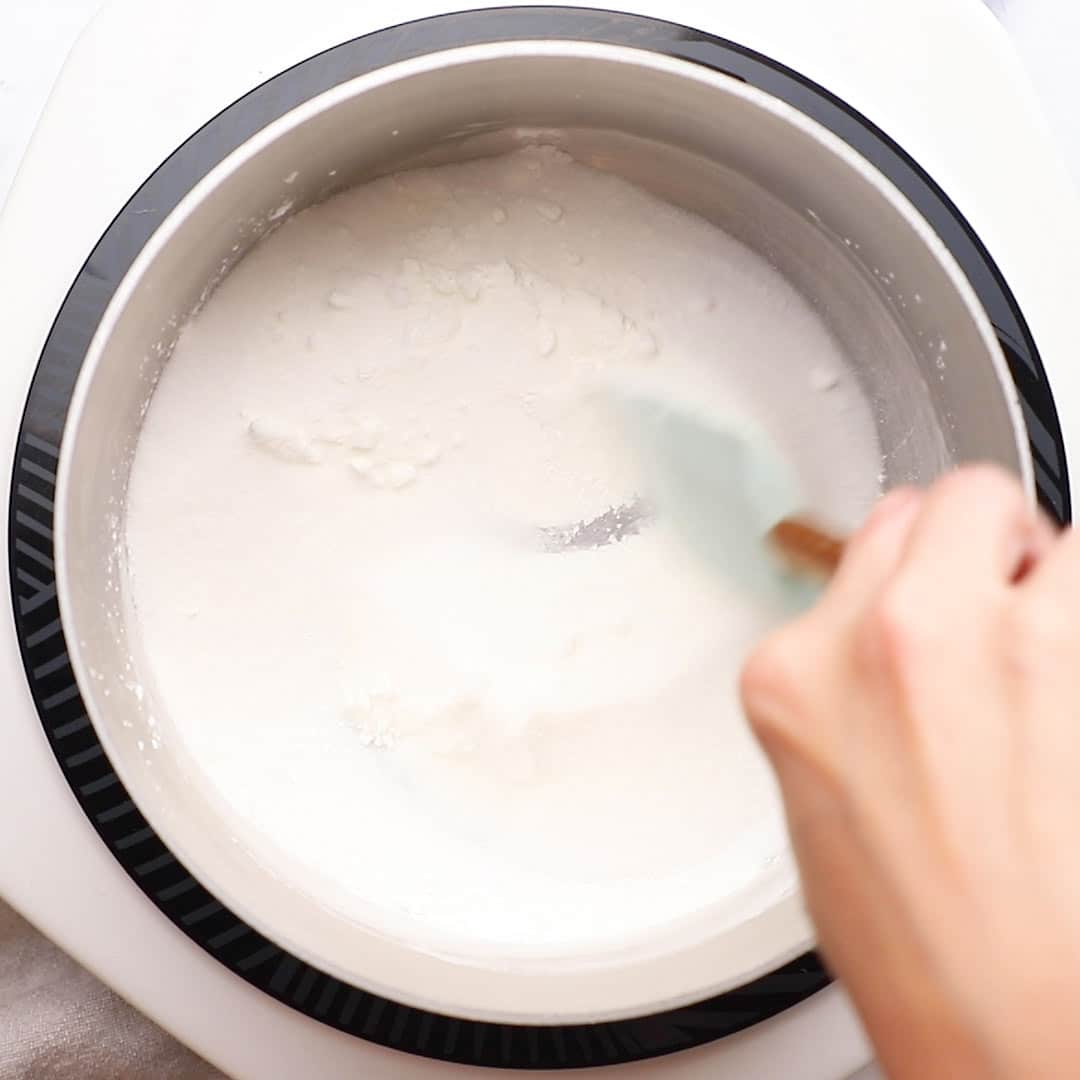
(728, 491)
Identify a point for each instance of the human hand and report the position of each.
(924, 724)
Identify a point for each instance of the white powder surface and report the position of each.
(437, 727)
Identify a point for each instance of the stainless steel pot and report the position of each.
(887, 288)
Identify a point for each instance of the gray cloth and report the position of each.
(59, 1023)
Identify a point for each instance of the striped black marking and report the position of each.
(258, 957)
(326, 997)
(374, 1014)
(72, 727)
(83, 756)
(50, 667)
(171, 892)
(120, 810)
(227, 937)
(110, 779)
(139, 836)
(193, 918)
(158, 862)
(305, 986)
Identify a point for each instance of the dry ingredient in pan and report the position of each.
(407, 705)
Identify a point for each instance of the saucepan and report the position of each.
(886, 287)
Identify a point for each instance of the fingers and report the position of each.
(977, 532)
(785, 676)
(1056, 572)
(1043, 541)
(873, 554)
(921, 558)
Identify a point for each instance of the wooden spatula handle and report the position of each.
(806, 546)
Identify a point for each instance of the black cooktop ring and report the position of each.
(81, 757)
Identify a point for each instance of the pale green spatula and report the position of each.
(724, 486)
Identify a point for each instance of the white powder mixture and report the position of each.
(439, 728)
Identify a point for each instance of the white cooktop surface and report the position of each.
(34, 40)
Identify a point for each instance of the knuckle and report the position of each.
(876, 524)
(898, 630)
(896, 498)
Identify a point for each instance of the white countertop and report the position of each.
(35, 36)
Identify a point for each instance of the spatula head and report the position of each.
(720, 481)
